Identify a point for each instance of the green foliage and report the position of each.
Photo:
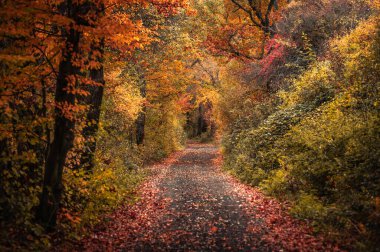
(88, 197)
(307, 49)
(320, 149)
(277, 183)
(309, 206)
(314, 87)
(252, 153)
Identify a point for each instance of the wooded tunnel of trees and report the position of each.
(92, 91)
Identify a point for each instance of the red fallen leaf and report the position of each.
(272, 219)
(279, 230)
(132, 215)
(213, 229)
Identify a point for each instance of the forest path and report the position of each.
(189, 204)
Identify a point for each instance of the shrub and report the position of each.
(320, 149)
(333, 152)
(314, 87)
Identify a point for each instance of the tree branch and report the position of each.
(48, 60)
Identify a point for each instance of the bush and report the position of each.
(313, 88)
(252, 153)
(255, 150)
(333, 153)
(320, 149)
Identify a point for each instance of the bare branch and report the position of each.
(48, 60)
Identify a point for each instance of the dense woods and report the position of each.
(92, 91)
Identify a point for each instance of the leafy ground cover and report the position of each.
(190, 204)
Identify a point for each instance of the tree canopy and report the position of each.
(92, 91)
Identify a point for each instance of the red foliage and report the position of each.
(275, 51)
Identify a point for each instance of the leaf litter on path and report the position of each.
(190, 204)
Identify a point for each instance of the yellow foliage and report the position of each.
(355, 49)
(315, 85)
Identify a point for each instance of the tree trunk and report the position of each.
(201, 120)
(63, 133)
(94, 99)
(140, 122)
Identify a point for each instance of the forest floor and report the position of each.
(189, 204)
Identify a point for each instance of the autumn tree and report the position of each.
(260, 13)
(89, 27)
(243, 27)
(30, 47)
(53, 55)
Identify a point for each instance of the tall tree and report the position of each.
(140, 121)
(243, 27)
(64, 121)
(87, 28)
(94, 97)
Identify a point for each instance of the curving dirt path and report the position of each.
(189, 204)
(203, 212)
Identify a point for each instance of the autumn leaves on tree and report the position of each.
(93, 90)
(53, 80)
